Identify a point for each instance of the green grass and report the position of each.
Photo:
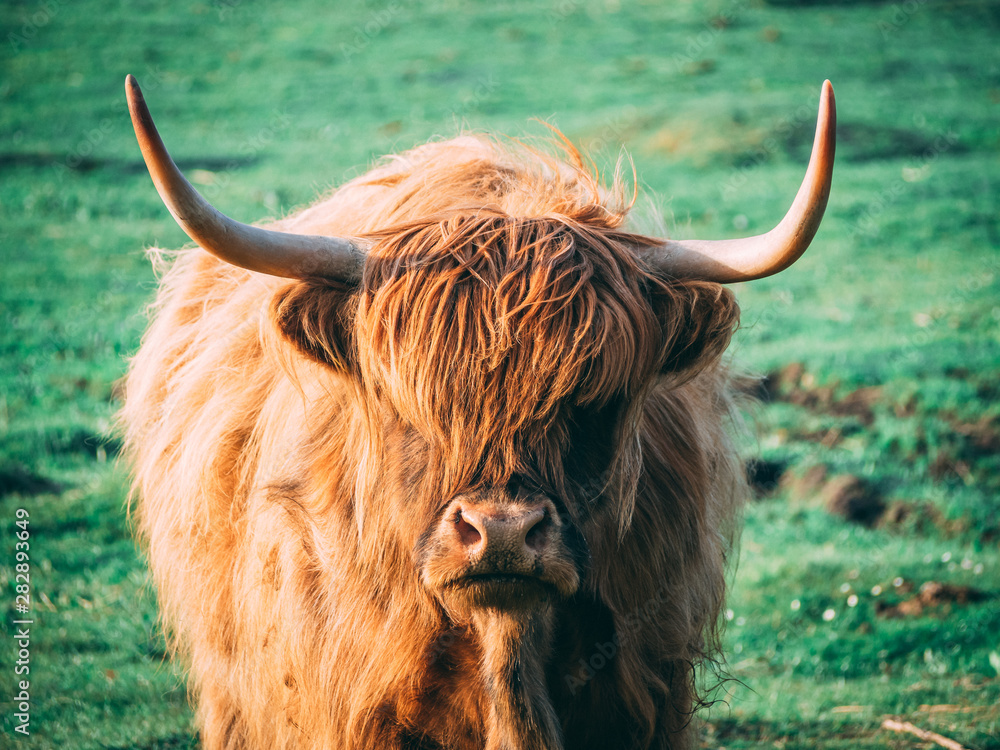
(274, 103)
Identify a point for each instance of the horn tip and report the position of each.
(827, 105)
(132, 91)
(827, 91)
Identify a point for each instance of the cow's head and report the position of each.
(501, 344)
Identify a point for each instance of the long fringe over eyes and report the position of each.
(520, 316)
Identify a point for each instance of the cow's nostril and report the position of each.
(537, 533)
(467, 532)
(513, 531)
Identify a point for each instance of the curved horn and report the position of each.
(294, 256)
(727, 261)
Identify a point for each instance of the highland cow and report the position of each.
(444, 460)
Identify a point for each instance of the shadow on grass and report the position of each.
(744, 732)
(36, 160)
(173, 742)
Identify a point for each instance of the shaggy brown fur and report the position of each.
(294, 444)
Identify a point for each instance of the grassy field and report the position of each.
(869, 579)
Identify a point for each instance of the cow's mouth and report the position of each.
(486, 578)
(513, 591)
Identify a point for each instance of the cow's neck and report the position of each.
(515, 651)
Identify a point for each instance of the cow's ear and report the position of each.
(697, 319)
(317, 318)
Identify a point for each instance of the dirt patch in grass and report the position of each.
(941, 443)
(920, 517)
(967, 453)
(795, 385)
(765, 476)
(853, 499)
(982, 437)
(933, 598)
(804, 484)
(858, 500)
(845, 495)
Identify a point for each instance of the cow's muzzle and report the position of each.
(502, 554)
